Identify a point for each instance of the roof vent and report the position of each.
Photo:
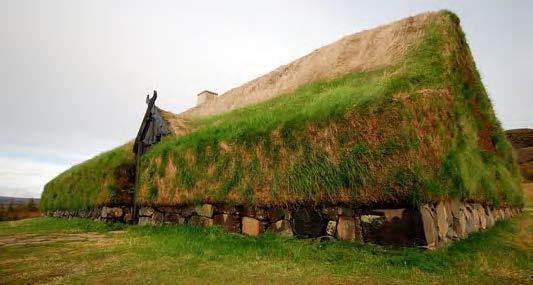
(205, 96)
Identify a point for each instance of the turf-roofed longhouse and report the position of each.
(389, 127)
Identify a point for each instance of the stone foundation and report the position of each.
(106, 214)
(431, 225)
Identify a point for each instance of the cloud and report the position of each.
(22, 177)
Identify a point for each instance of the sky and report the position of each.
(74, 74)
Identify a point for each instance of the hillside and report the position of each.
(401, 124)
(16, 201)
(522, 141)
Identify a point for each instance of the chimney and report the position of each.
(205, 96)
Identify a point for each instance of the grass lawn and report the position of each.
(48, 250)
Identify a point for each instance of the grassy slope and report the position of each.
(408, 133)
(166, 255)
(101, 180)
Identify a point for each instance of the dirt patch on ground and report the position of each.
(44, 239)
(364, 51)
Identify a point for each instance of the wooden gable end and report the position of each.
(152, 129)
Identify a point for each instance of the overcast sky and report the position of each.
(74, 74)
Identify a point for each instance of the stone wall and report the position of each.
(450, 220)
(107, 214)
(431, 225)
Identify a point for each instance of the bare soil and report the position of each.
(44, 239)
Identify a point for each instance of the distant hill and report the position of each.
(18, 201)
(522, 141)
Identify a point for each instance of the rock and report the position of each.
(459, 225)
(188, 211)
(200, 221)
(325, 238)
(307, 223)
(451, 234)
(231, 223)
(103, 214)
(171, 218)
(283, 227)
(346, 228)
(146, 211)
(205, 210)
(167, 210)
(470, 225)
(482, 217)
(288, 214)
(256, 213)
(330, 213)
(371, 225)
(331, 228)
(128, 218)
(442, 221)
(449, 214)
(343, 211)
(110, 212)
(457, 208)
(251, 226)
(430, 228)
(275, 214)
(390, 214)
(145, 221)
(398, 227)
(372, 219)
(207, 222)
(508, 214)
(227, 209)
(490, 218)
(494, 213)
(157, 218)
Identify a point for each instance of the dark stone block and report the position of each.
(167, 210)
(399, 227)
(256, 213)
(188, 211)
(200, 221)
(229, 222)
(343, 211)
(308, 223)
(226, 209)
(330, 213)
(171, 218)
(275, 214)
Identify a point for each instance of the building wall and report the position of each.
(205, 96)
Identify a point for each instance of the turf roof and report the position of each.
(419, 129)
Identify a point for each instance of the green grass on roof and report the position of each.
(102, 180)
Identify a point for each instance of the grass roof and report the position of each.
(418, 129)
